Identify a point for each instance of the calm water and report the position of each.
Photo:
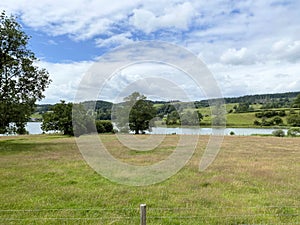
(208, 131)
(35, 128)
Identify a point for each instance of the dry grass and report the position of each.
(253, 180)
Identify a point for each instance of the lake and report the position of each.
(35, 128)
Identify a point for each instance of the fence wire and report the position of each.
(156, 215)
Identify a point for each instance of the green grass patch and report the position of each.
(253, 180)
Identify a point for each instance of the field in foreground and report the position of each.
(254, 180)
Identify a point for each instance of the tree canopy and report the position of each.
(134, 114)
(296, 103)
(22, 83)
(59, 118)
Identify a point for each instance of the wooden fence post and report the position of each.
(143, 214)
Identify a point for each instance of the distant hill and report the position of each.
(280, 99)
(262, 98)
(272, 100)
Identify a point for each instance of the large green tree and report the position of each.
(68, 118)
(22, 83)
(59, 118)
(134, 114)
(141, 115)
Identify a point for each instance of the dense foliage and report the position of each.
(294, 120)
(296, 102)
(68, 118)
(135, 114)
(141, 113)
(101, 108)
(294, 131)
(104, 126)
(270, 113)
(278, 133)
(59, 118)
(278, 100)
(22, 83)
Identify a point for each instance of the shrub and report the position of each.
(99, 126)
(277, 120)
(282, 113)
(265, 122)
(104, 126)
(107, 125)
(259, 115)
(256, 123)
(294, 120)
(278, 133)
(232, 133)
(293, 131)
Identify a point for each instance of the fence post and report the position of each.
(143, 214)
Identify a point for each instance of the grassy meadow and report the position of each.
(245, 119)
(253, 180)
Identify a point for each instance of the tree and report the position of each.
(191, 119)
(70, 119)
(278, 133)
(218, 113)
(59, 118)
(135, 113)
(173, 118)
(141, 113)
(296, 103)
(294, 120)
(294, 131)
(22, 83)
(243, 107)
(277, 120)
(104, 126)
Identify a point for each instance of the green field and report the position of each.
(240, 119)
(254, 180)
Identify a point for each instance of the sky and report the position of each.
(250, 47)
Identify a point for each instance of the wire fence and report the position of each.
(155, 215)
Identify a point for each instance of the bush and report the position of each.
(259, 115)
(294, 120)
(256, 123)
(294, 131)
(104, 126)
(232, 133)
(99, 127)
(270, 113)
(277, 120)
(265, 122)
(107, 125)
(282, 113)
(278, 133)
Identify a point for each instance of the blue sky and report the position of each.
(249, 46)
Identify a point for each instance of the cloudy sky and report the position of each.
(250, 47)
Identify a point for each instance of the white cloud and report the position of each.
(178, 17)
(65, 80)
(237, 56)
(115, 40)
(245, 43)
(79, 19)
(152, 79)
(237, 80)
(286, 50)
